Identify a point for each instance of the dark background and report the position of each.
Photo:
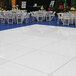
(45, 3)
(30, 3)
(6, 4)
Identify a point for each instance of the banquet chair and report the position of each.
(48, 16)
(33, 16)
(27, 18)
(75, 21)
(66, 19)
(53, 15)
(73, 18)
(19, 19)
(40, 17)
(2, 19)
(10, 19)
(60, 18)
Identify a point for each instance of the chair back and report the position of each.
(60, 15)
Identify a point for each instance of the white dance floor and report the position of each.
(38, 50)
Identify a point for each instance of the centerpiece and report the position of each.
(73, 9)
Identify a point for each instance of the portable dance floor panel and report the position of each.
(38, 50)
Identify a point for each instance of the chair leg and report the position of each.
(68, 22)
(10, 21)
(58, 21)
(75, 22)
